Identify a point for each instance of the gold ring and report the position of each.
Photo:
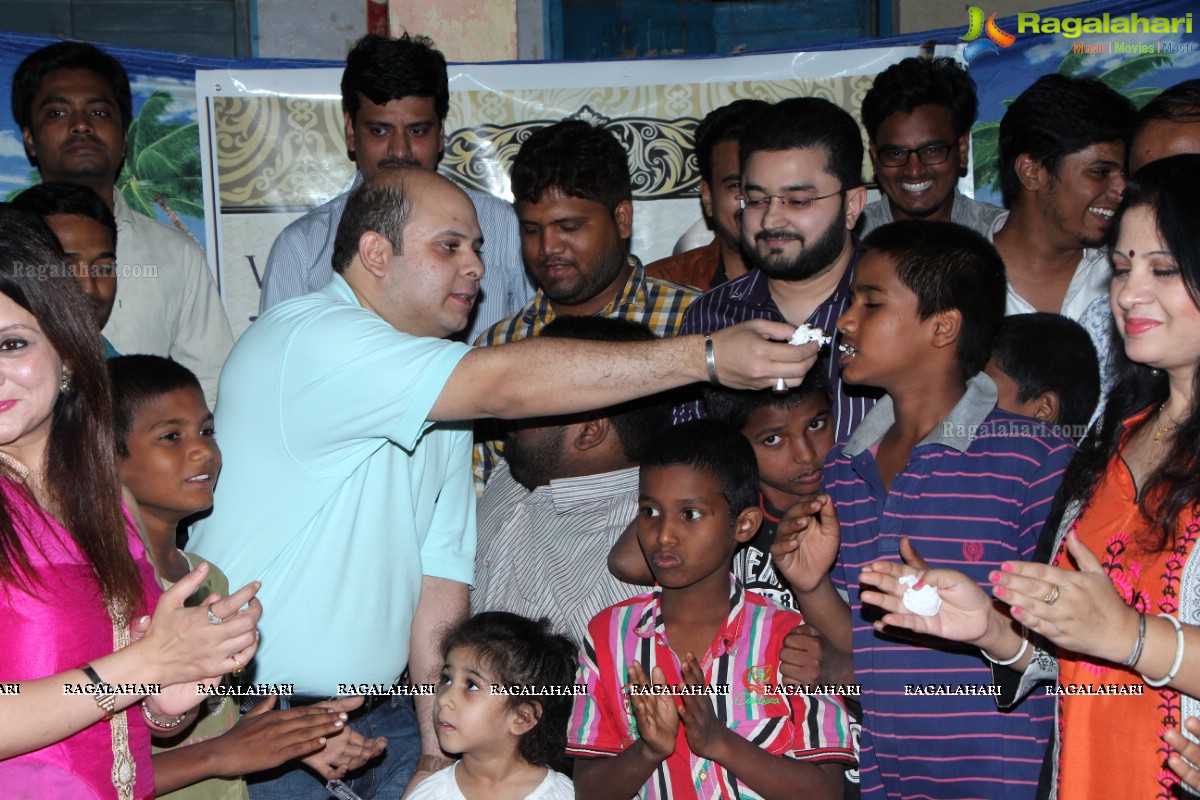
(1050, 598)
(240, 666)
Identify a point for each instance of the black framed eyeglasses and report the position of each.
(929, 154)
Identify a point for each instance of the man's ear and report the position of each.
(1046, 406)
(349, 131)
(1030, 172)
(746, 524)
(375, 253)
(524, 718)
(623, 218)
(590, 433)
(964, 154)
(706, 200)
(30, 150)
(856, 200)
(947, 327)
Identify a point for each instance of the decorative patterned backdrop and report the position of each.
(280, 153)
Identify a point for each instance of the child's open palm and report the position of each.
(656, 715)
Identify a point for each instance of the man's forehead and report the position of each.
(73, 82)
(786, 166)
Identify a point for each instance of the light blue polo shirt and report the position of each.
(336, 491)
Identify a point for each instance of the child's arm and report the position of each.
(624, 775)
(260, 740)
(769, 775)
(806, 545)
(627, 562)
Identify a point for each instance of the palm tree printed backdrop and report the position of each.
(162, 164)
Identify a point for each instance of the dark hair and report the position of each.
(724, 124)
(638, 421)
(734, 407)
(1178, 103)
(68, 199)
(382, 69)
(948, 266)
(27, 80)
(576, 158)
(916, 82)
(81, 475)
(1050, 353)
(136, 381)
(803, 123)
(716, 449)
(523, 652)
(1170, 187)
(383, 207)
(1055, 117)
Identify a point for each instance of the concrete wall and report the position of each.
(309, 28)
(465, 30)
(914, 16)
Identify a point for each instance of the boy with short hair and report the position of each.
(970, 485)
(87, 232)
(1044, 366)
(698, 500)
(791, 433)
(168, 459)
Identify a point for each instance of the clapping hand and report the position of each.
(656, 715)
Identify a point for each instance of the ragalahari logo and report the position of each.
(995, 40)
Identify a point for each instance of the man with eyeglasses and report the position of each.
(802, 194)
(918, 116)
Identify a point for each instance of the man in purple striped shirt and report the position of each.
(802, 194)
(968, 484)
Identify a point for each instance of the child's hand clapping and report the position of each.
(704, 731)
(656, 715)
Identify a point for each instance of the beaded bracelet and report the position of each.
(166, 726)
(1178, 655)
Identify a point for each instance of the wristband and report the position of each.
(710, 360)
(1170, 676)
(103, 695)
(1139, 644)
(1010, 661)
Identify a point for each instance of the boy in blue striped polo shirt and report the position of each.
(968, 484)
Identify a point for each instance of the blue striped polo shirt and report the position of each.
(975, 492)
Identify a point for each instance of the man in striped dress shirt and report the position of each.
(802, 194)
(395, 97)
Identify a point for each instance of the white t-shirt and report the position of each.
(443, 786)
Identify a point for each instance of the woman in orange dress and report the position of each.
(1112, 620)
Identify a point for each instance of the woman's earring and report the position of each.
(65, 385)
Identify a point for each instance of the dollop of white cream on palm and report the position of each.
(920, 598)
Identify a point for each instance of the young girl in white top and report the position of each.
(508, 742)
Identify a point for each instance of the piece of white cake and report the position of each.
(920, 598)
(807, 334)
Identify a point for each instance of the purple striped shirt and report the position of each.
(974, 493)
(749, 297)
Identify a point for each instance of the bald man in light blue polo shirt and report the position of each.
(347, 486)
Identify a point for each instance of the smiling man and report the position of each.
(1062, 173)
(345, 491)
(574, 202)
(918, 116)
(73, 104)
(802, 192)
(395, 97)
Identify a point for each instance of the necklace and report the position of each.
(13, 468)
(1161, 430)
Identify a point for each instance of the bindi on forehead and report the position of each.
(1131, 254)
